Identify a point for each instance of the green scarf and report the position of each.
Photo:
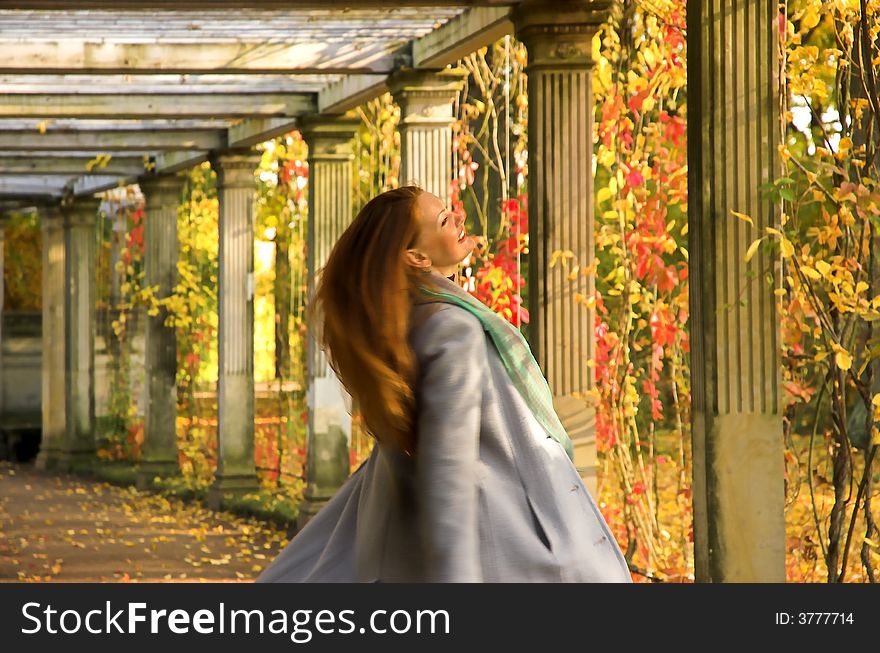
(515, 354)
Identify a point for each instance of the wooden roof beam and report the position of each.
(70, 166)
(255, 5)
(462, 35)
(120, 140)
(36, 186)
(154, 106)
(349, 92)
(80, 56)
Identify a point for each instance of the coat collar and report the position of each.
(442, 281)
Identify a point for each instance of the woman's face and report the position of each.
(442, 242)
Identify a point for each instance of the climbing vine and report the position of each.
(829, 296)
(489, 184)
(641, 301)
(280, 268)
(121, 427)
(22, 270)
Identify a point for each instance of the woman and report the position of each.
(471, 477)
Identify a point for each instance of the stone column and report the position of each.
(80, 215)
(425, 99)
(53, 400)
(733, 133)
(159, 454)
(3, 220)
(559, 37)
(330, 212)
(236, 473)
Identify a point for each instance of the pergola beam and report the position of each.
(168, 162)
(349, 92)
(85, 155)
(154, 106)
(157, 84)
(37, 186)
(73, 56)
(70, 166)
(460, 36)
(120, 140)
(94, 125)
(256, 130)
(89, 185)
(253, 5)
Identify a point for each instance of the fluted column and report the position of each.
(559, 37)
(236, 186)
(80, 215)
(53, 401)
(159, 453)
(738, 491)
(3, 220)
(330, 212)
(425, 99)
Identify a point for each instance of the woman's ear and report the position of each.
(417, 259)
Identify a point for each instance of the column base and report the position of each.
(748, 500)
(148, 470)
(48, 460)
(225, 487)
(70, 461)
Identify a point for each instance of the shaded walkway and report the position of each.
(64, 528)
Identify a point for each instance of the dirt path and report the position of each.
(55, 527)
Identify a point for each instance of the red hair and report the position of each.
(364, 297)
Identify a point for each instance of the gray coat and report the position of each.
(488, 497)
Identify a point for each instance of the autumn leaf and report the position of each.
(843, 359)
(604, 194)
(811, 273)
(810, 18)
(744, 217)
(753, 248)
(786, 247)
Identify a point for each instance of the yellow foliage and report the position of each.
(786, 247)
(753, 248)
(843, 359)
(743, 216)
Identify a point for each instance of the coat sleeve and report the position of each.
(452, 364)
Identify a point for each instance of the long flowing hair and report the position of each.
(362, 308)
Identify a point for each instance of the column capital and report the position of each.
(236, 168)
(329, 137)
(425, 96)
(161, 189)
(560, 34)
(80, 211)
